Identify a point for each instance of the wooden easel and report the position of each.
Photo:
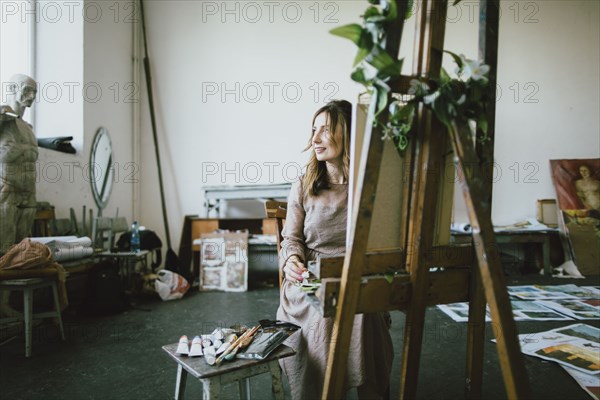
(356, 292)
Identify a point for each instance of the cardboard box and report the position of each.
(224, 261)
(547, 212)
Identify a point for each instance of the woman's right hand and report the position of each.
(293, 269)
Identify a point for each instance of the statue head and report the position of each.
(21, 92)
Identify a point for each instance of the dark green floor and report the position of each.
(120, 357)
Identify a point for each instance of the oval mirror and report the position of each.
(101, 169)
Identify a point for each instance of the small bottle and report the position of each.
(135, 237)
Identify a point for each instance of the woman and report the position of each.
(316, 226)
(588, 189)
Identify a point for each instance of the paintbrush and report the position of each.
(242, 340)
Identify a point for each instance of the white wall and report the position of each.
(193, 51)
(85, 75)
(548, 50)
(548, 95)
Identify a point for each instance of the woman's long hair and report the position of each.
(315, 177)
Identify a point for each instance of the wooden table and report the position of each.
(126, 262)
(213, 377)
(541, 238)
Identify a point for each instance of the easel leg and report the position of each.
(509, 351)
(475, 338)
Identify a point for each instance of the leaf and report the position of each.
(382, 99)
(362, 53)
(456, 58)
(371, 12)
(366, 40)
(392, 71)
(407, 113)
(391, 11)
(379, 58)
(389, 277)
(352, 32)
(482, 124)
(444, 77)
(402, 142)
(358, 75)
(409, 9)
(440, 107)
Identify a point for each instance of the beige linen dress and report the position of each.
(316, 226)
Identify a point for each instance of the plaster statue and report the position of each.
(18, 155)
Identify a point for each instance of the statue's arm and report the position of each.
(7, 113)
(9, 149)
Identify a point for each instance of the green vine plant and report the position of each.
(461, 98)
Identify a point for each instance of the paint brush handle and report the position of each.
(235, 344)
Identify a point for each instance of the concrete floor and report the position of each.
(120, 356)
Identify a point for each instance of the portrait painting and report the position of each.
(577, 184)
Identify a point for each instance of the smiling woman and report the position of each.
(330, 144)
(315, 227)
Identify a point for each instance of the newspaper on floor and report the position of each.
(551, 292)
(522, 311)
(576, 346)
(589, 383)
(575, 308)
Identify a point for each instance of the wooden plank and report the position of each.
(475, 338)
(393, 260)
(489, 17)
(425, 196)
(358, 236)
(377, 294)
(509, 352)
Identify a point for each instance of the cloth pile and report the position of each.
(28, 255)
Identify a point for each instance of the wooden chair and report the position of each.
(277, 210)
(42, 222)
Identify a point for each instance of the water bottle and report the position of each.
(135, 237)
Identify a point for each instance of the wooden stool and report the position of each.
(27, 286)
(240, 370)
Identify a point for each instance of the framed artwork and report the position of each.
(577, 184)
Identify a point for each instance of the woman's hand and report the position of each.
(293, 269)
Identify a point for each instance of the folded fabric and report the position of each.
(27, 255)
(59, 143)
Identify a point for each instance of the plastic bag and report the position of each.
(170, 286)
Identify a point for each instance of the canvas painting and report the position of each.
(577, 184)
(224, 261)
